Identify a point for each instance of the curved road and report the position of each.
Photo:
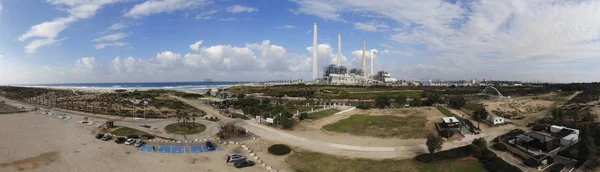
(334, 148)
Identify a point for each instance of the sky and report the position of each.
(93, 41)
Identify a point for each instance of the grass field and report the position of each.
(174, 128)
(126, 131)
(322, 114)
(446, 112)
(317, 162)
(381, 126)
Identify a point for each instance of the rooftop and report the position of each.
(450, 120)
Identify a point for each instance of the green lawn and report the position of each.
(381, 126)
(322, 114)
(126, 131)
(471, 106)
(317, 162)
(447, 112)
(176, 129)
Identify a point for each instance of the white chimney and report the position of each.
(372, 57)
(339, 56)
(364, 58)
(315, 55)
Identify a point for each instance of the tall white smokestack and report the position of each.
(364, 58)
(315, 55)
(339, 57)
(372, 57)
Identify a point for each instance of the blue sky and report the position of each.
(66, 41)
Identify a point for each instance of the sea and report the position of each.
(195, 87)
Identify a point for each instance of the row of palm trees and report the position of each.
(184, 118)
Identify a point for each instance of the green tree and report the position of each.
(382, 101)
(481, 142)
(303, 116)
(416, 101)
(401, 100)
(434, 143)
(285, 122)
(587, 146)
(457, 102)
(480, 114)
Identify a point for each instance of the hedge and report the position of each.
(456, 153)
(500, 147)
(498, 165)
(532, 162)
(279, 149)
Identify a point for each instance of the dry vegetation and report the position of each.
(119, 103)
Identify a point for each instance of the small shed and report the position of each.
(569, 139)
(556, 128)
(497, 120)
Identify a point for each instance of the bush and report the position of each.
(557, 168)
(531, 162)
(487, 155)
(446, 133)
(498, 165)
(456, 153)
(279, 149)
(500, 147)
(364, 106)
(303, 116)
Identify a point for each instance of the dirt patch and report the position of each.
(33, 162)
(191, 160)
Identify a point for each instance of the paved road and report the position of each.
(335, 148)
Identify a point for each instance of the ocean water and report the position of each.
(197, 87)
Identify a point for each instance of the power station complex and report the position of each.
(337, 74)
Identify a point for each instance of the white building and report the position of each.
(349, 79)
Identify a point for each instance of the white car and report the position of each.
(130, 141)
(139, 143)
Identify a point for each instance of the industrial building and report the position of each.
(337, 74)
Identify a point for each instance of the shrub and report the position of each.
(303, 116)
(500, 147)
(364, 106)
(498, 165)
(557, 168)
(456, 153)
(279, 149)
(532, 163)
(487, 155)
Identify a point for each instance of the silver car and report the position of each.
(235, 158)
(139, 143)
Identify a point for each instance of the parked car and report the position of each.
(120, 140)
(210, 145)
(106, 137)
(244, 163)
(99, 136)
(235, 158)
(139, 143)
(130, 141)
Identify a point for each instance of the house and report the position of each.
(537, 140)
(450, 123)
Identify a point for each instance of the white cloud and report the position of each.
(117, 26)
(116, 44)
(111, 37)
(46, 33)
(205, 15)
(371, 26)
(287, 27)
(240, 9)
(85, 65)
(196, 46)
(0, 7)
(151, 7)
(505, 36)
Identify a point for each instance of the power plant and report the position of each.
(337, 74)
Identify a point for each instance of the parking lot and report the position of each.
(165, 149)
